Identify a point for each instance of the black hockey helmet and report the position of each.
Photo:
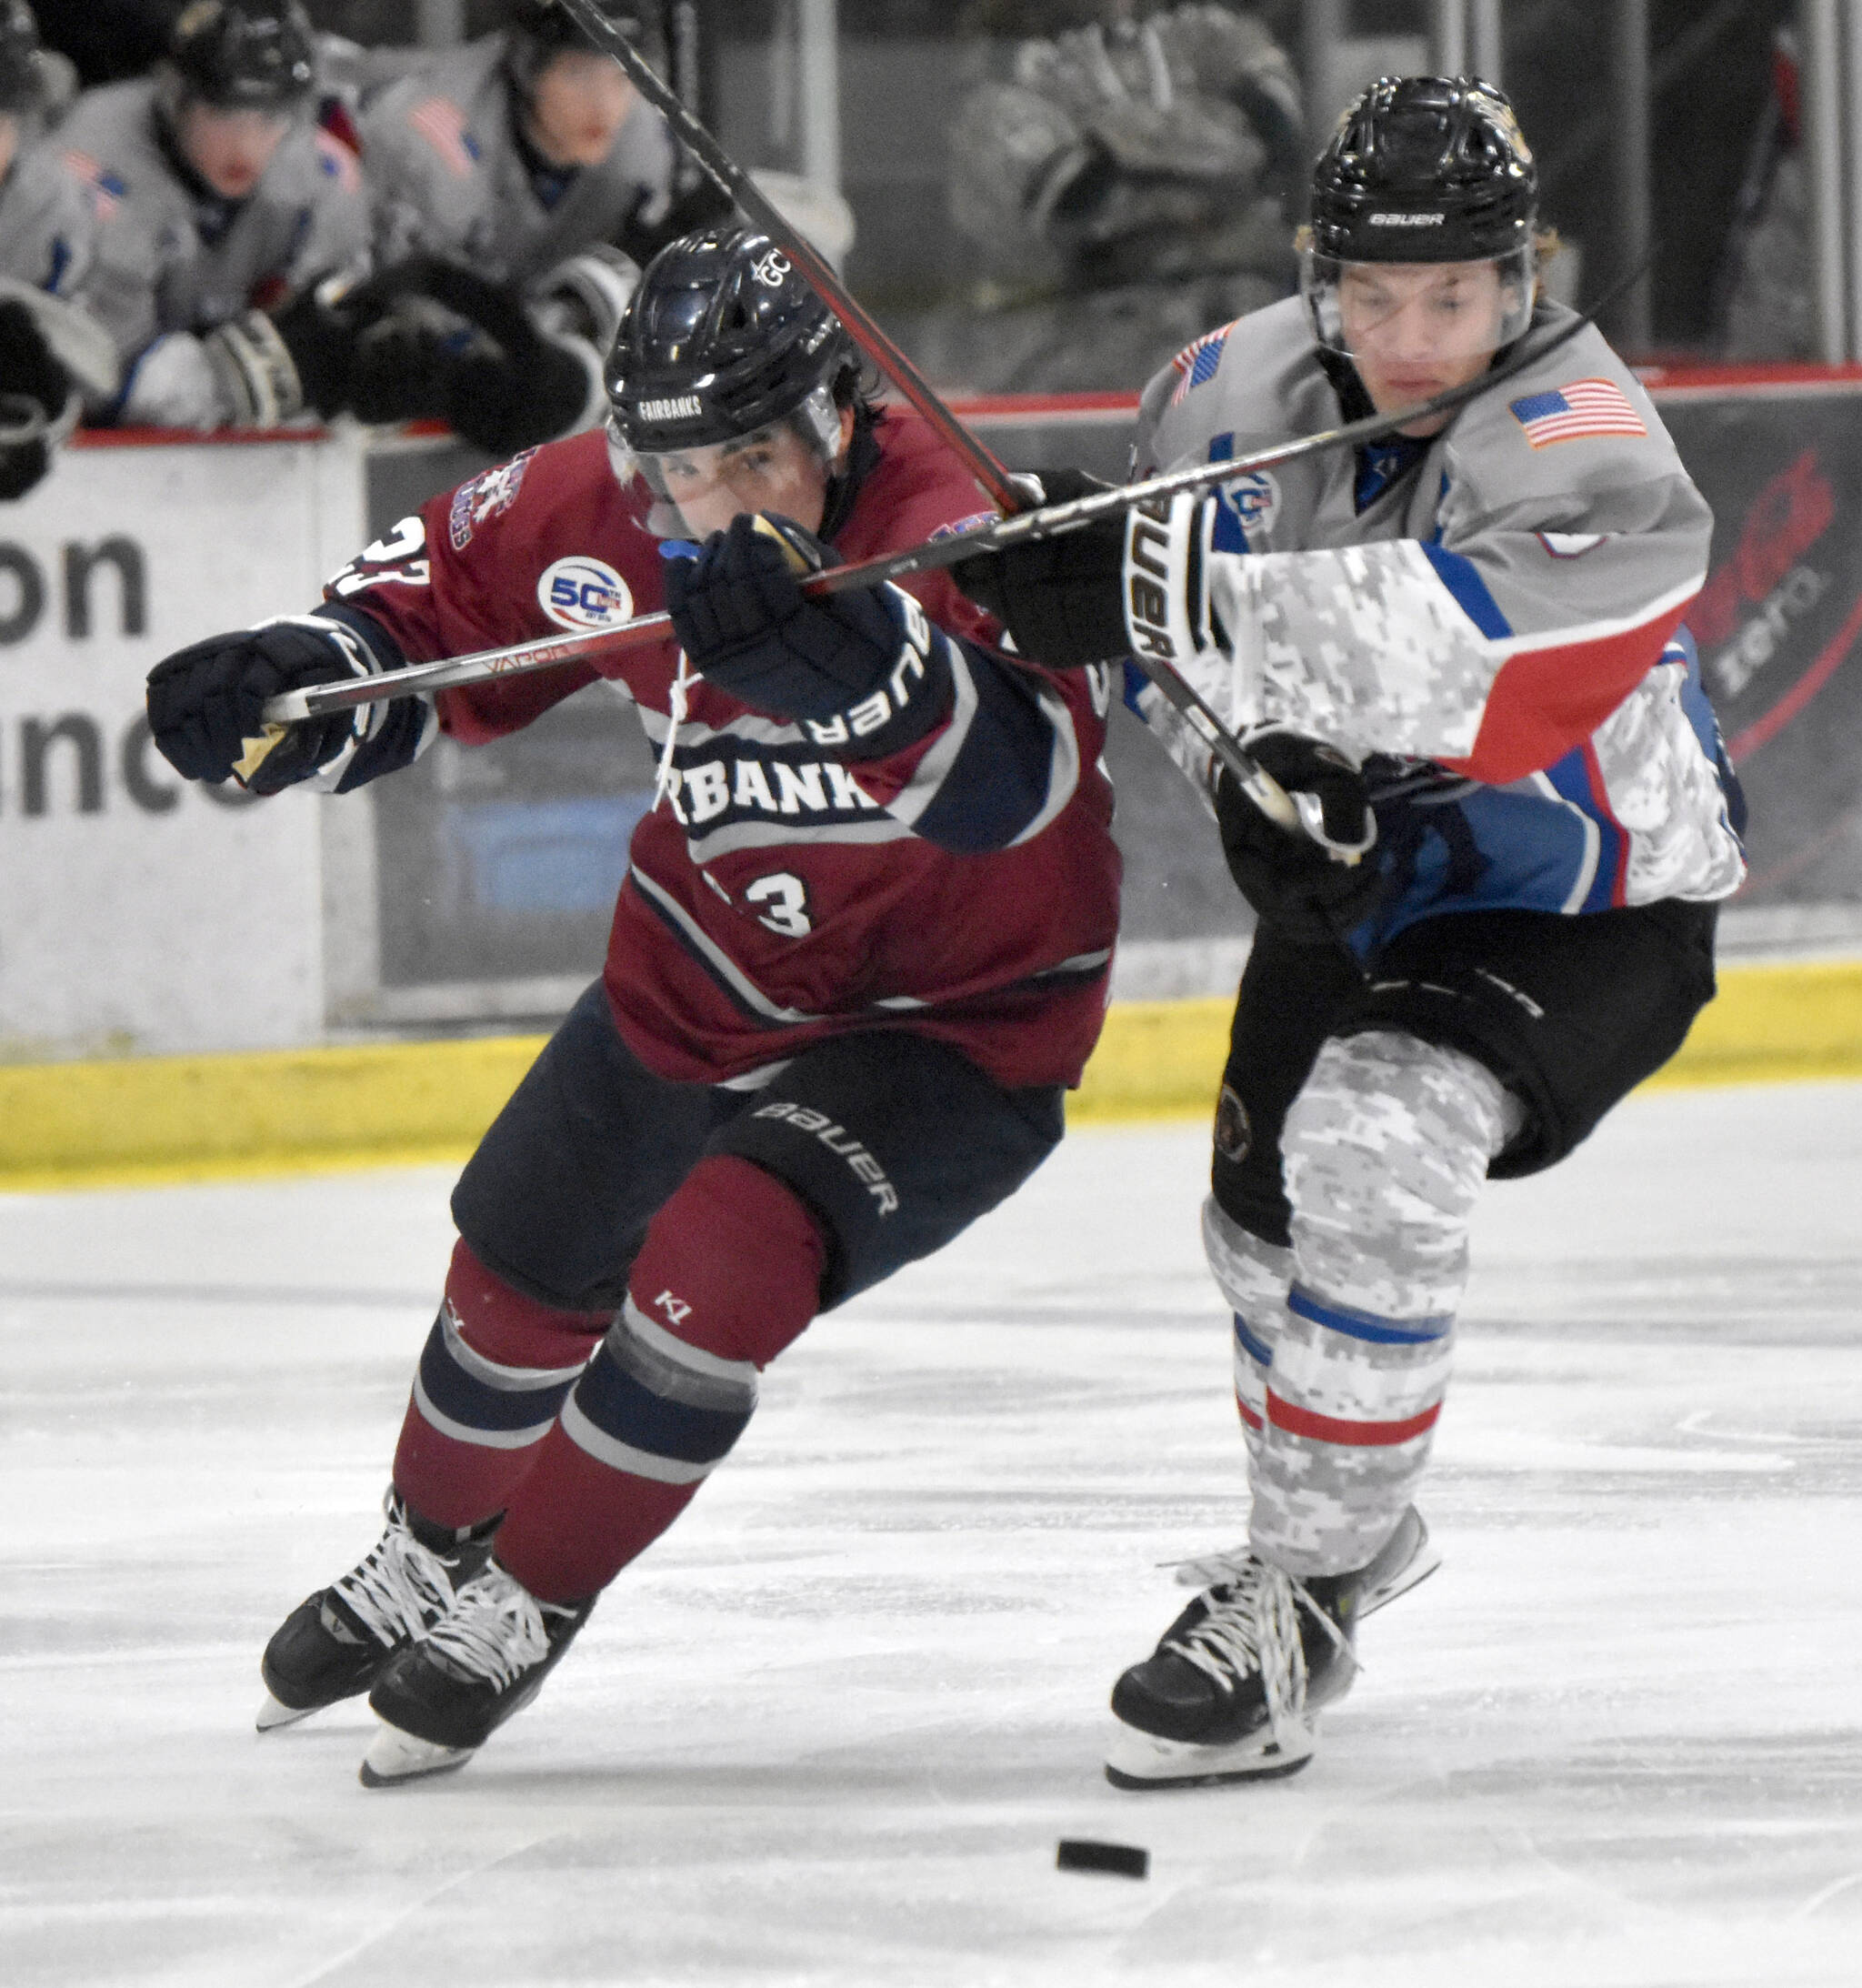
(21, 73)
(1425, 170)
(724, 337)
(541, 30)
(1422, 169)
(243, 54)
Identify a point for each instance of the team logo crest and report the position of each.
(1255, 499)
(580, 593)
(1234, 1135)
(772, 269)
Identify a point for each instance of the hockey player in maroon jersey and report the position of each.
(860, 951)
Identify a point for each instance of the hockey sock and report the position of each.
(729, 1274)
(1385, 1151)
(494, 1371)
(1252, 1277)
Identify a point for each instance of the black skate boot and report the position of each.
(333, 1645)
(442, 1698)
(1230, 1692)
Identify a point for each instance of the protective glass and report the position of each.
(1457, 309)
(754, 468)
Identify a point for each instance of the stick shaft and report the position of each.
(735, 182)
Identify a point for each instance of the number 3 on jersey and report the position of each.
(784, 901)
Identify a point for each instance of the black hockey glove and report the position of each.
(1306, 893)
(28, 374)
(434, 340)
(206, 703)
(1062, 599)
(865, 664)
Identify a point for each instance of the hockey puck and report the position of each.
(1122, 1860)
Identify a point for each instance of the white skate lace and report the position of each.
(494, 1630)
(401, 1589)
(1250, 1625)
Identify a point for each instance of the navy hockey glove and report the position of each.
(863, 669)
(1303, 890)
(206, 703)
(1062, 599)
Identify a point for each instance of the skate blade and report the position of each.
(1141, 1760)
(273, 1714)
(396, 1756)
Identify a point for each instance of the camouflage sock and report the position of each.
(1385, 1151)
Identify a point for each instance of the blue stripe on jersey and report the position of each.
(1470, 591)
(631, 1412)
(1574, 778)
(998, 781)
(1364, 1325)
(1227, 535)
(462, 1397)
(1258, 1350)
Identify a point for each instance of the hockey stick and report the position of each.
(991, 475)
(521, 658)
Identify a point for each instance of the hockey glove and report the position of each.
(437, 340)
(206, 703)
(1062, 599)
(863, 669)
(1307, 892)
(32, 376)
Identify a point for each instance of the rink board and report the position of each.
(80, 1124)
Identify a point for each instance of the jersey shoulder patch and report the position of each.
(1580, 410)
(441, 122)
(1196, 364)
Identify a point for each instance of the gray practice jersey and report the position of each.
(1494, 616)
(447, 177)
(48, 225)
(173, 263)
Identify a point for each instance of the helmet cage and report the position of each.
(1320, 275)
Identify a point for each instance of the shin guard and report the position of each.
(494, 1371)
(1385, 1151)
(729, 1274)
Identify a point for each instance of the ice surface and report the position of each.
(830, 1730)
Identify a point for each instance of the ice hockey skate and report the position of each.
(332, 1644)
(440, 1699)
(1231, 1692)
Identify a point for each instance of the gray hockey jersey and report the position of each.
(171, 264)
(48, 225)
(1491, 619)
(446, 176)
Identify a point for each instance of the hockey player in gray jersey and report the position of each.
(220, 206)
(1466, 643)
(50, 356)
(526, 158)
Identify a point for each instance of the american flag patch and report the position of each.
(106, 189)
(443, 125)
(1569, 414)
(1197, 363)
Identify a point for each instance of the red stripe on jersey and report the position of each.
(1303, 1422)
(1546, 701)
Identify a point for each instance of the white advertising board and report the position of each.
(139, 913)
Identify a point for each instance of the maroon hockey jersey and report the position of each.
(966, 888)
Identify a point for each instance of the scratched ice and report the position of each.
(830, 1729)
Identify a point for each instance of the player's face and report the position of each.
(577, 105)
(772, 470)
(1416, 330)
(230, 149)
